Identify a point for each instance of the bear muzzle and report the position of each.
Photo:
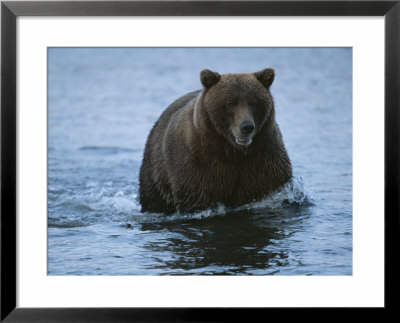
(247, 128)
(245, 137)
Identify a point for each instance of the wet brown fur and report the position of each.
(191, 160)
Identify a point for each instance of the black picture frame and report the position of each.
(10, 10)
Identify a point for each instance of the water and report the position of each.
(102, 104)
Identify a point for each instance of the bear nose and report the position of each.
(247, 127)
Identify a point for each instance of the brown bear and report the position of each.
(218, 145)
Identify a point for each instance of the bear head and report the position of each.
(238, 105)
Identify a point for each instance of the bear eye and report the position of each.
(232, 103)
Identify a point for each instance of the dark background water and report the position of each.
(102, 102)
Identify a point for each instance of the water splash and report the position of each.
(148, 217)
(103, 202)
(120, 203)
(294, 193)
(96, 202)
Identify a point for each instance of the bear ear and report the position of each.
(209, 78)
(266, 77)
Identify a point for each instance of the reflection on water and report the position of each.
(236, 243)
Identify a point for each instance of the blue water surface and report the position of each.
(102, 103)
